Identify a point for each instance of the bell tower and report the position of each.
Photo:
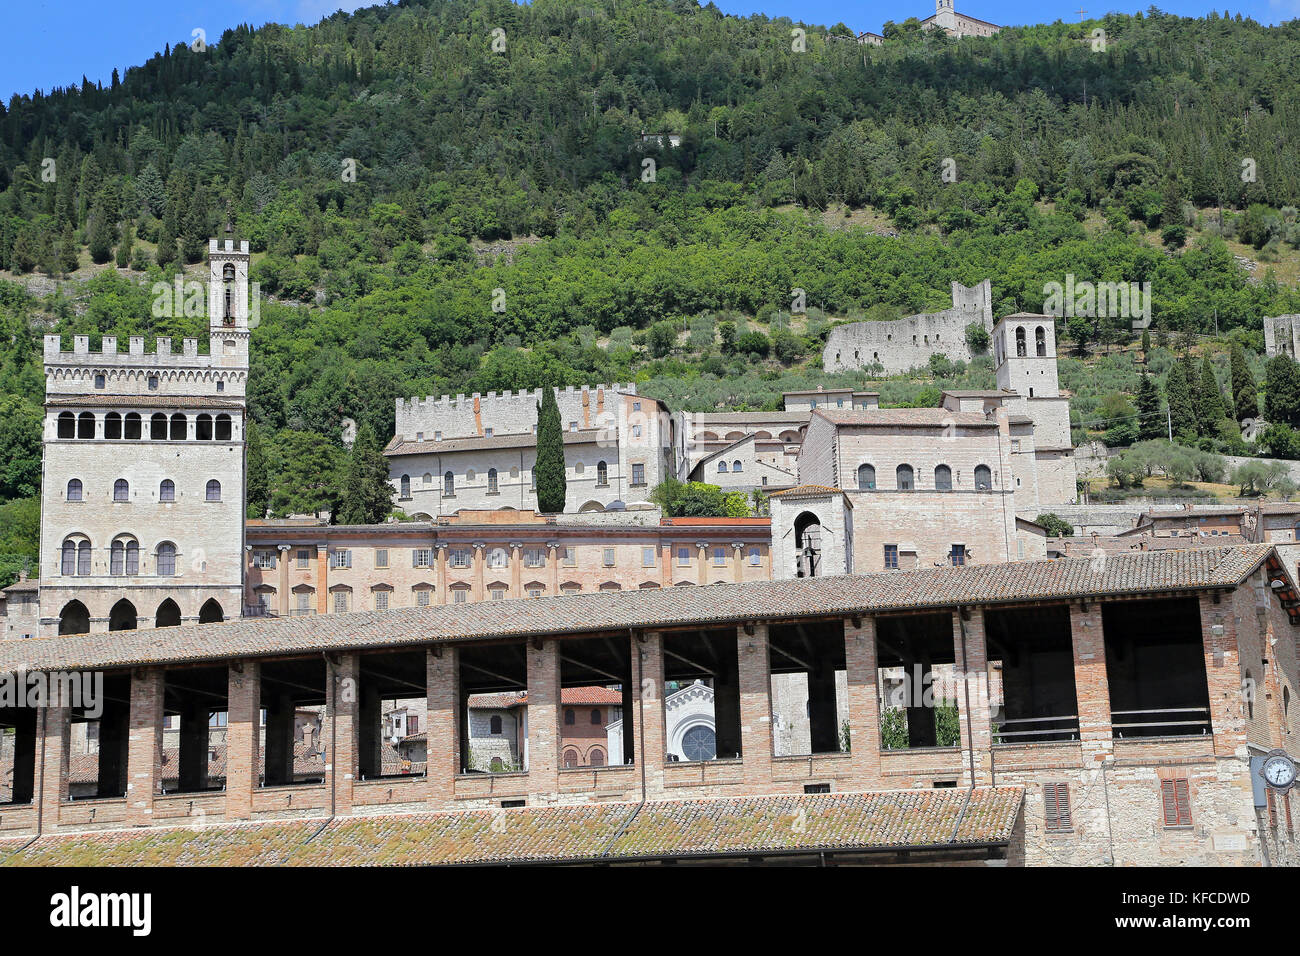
(945, 17)
(228, 302)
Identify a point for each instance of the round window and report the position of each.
(698, 743)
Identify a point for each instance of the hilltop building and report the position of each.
(955, 24)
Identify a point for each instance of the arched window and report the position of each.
(448, 484)
(1040, 341)
(904, 477)
(214, 490)
(406, 486)
(722, 467)
(597, 757)
(158, 427)
(203, 428)
(178, 427)
(602, 473)
(428, 480)
(595, 715)
(122, 616)
(74, 490)
(124, 557)
(492, 481)
(166, 560)
(569, 716)
(131, 426)
(495, 724)
(75, 558)
(570, 758)
(228, 293)
(943, 478)
(167, 490)
(1020, 342)
(983, 478)
(735, 465)
(223, 428)
(211, 612)
(866, 477)
(121, 490)
(113, 425)
(67, 425)
(74, 619)
(85, 425)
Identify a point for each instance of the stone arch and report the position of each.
(167, 615)
(122, 617)
(592, 506)
(211, 612)
(74, 619)
(808, 544)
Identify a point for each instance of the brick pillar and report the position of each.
(25, 731)
(972, 695)
(243, 749)
(666, 569)
(192, 767)
(282, 555)
(345, 707)
(646, 718)
(322, 579)
(754, 685)
(55, 728)
(543, 720)
(1091, 686)
(864, 702)
(1223, 678)
(442, 728)
(144, 745)
(279, 738)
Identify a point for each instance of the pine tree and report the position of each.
(101, 237)
(1245, 397)
(1182, 416)
(548, 472)
(259, 485)
(166, 252)
(68, 249)
(367, 495)
(1282, 390)
(125, 246)
(149, 190)
(195, 233)
(1150, 423)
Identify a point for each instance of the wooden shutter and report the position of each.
(1056, 801)
(1177, 802)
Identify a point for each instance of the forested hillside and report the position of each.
(501, 231)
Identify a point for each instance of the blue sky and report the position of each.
(48, 43)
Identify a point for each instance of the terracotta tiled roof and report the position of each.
(807, 491)
(985, 816)
(1126, 574)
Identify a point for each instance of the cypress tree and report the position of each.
(1150, 424)
(258, 491)
(1282, 390)
(101, 237)
(125, 247)
(367, 495)
(1245, 397)
(68, 249)
(548, 472)
(1182, 416)
(1210, 409)
(166, 252)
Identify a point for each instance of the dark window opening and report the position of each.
(390, 687)
(1155, 666)
(294, 710)
(195, 701)
(806, 661)
(712, 658)
(1031, 659)
(493, 678)
(918, 683)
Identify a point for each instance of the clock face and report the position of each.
(1279, 771)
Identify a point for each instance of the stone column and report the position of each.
(479, 559)
(554, 562)
(646, 718)
(441, 548)
(283, 556)
(864, 701)
(243, 748)
(755, 689)
(55, 727)
(1091, 686)
(516, 569)
(702, 573)
(737, 561)
(323, 579)
(543, 720)
(442, 726)
(972, 695)
(144, 745)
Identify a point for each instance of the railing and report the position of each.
(1117, 728)
(1027, 734)
(258, 610)
(301, 611)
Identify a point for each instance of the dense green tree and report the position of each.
(1151, 423)
(1245, 399)
(548, 471)
(304, 470)
(1210, 410)
(20, 447)
(1282, 390)
(367, 497)
(1182, 414)
(258, 481)
(101, 236)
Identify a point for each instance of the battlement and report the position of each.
(228, 247)
(416, 403)
(507, 412)
(109, 351)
